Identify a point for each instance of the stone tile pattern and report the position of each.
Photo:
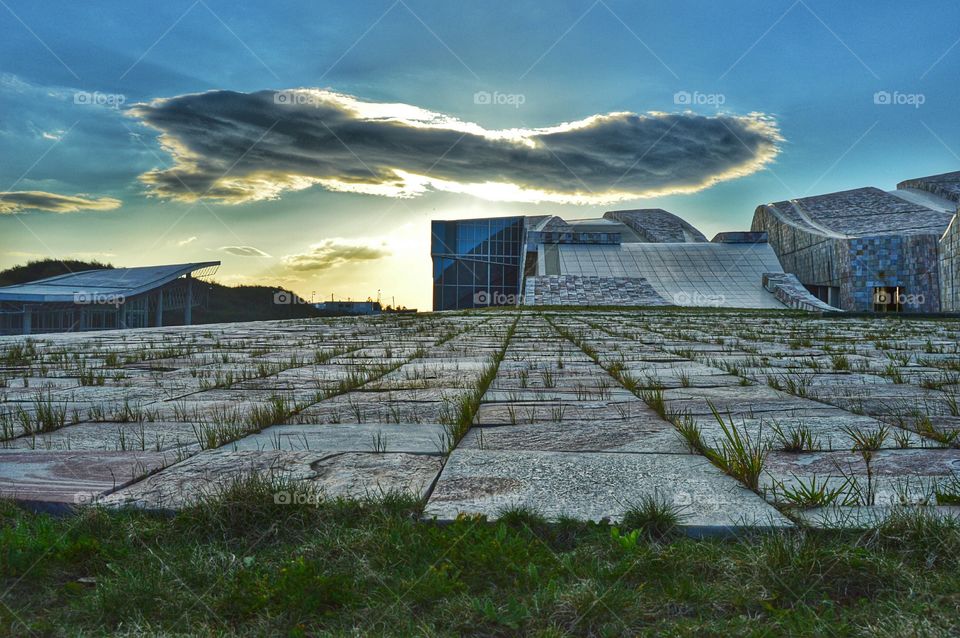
(857, 240)
(701, 274)
(576, 290)
(945, 185)
(861, 212)
(788, 289)
(950, 268)
(555, 429)
(657, 225)
(170, 410)
(749, 359)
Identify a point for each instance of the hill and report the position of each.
(33, 270)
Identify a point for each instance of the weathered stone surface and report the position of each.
(650, 434)
(72, 478)
(114, 437)
(594, 486)
(334, 475)
(357, 386)
(421, 438)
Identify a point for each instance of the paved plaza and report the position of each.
(580, 414)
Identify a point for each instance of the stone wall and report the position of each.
(950, 268)
(858, 264)
(788, 289)
(577, 290)
(814, 259)
(909, 262)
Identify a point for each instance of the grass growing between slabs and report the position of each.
(246, 564)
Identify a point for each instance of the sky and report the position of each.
(310, 144)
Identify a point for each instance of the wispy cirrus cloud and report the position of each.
(334, 252)
(22, 201)
(240, 147)
(244, 251)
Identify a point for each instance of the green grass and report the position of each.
(244, 564)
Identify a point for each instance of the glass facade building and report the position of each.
(477, 262)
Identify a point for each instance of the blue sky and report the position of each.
(810, 68)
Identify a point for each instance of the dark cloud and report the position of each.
(239, 147)
(244, 251)
(335, 252)
(19, 201)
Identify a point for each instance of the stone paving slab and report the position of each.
(908, 476)
(419, 438)
(58, 479)
(651, 434)
(827, 430)
(594, 486)
(113, 437)
(549, 397)
(334, 475)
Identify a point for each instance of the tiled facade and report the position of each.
(788, 289)
(656, 225)
(857, 241)
(908, 262)
(945, 185)
(575, 290)
(950, 268)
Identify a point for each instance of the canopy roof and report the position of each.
(111, 282)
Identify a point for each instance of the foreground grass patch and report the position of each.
(246, 564)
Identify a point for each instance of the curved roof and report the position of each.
(111, 282)
(945, 185)
(656, 225)
(858, 213)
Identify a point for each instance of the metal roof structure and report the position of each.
(112, 282)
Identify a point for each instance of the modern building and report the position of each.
(477, 262)
(870, 250)
(647, 257)
(350, 307)
(104, 299)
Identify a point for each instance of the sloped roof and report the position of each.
(656, 225)
(113, 282)
(945, 185)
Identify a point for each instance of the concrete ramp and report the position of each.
(702, 274)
